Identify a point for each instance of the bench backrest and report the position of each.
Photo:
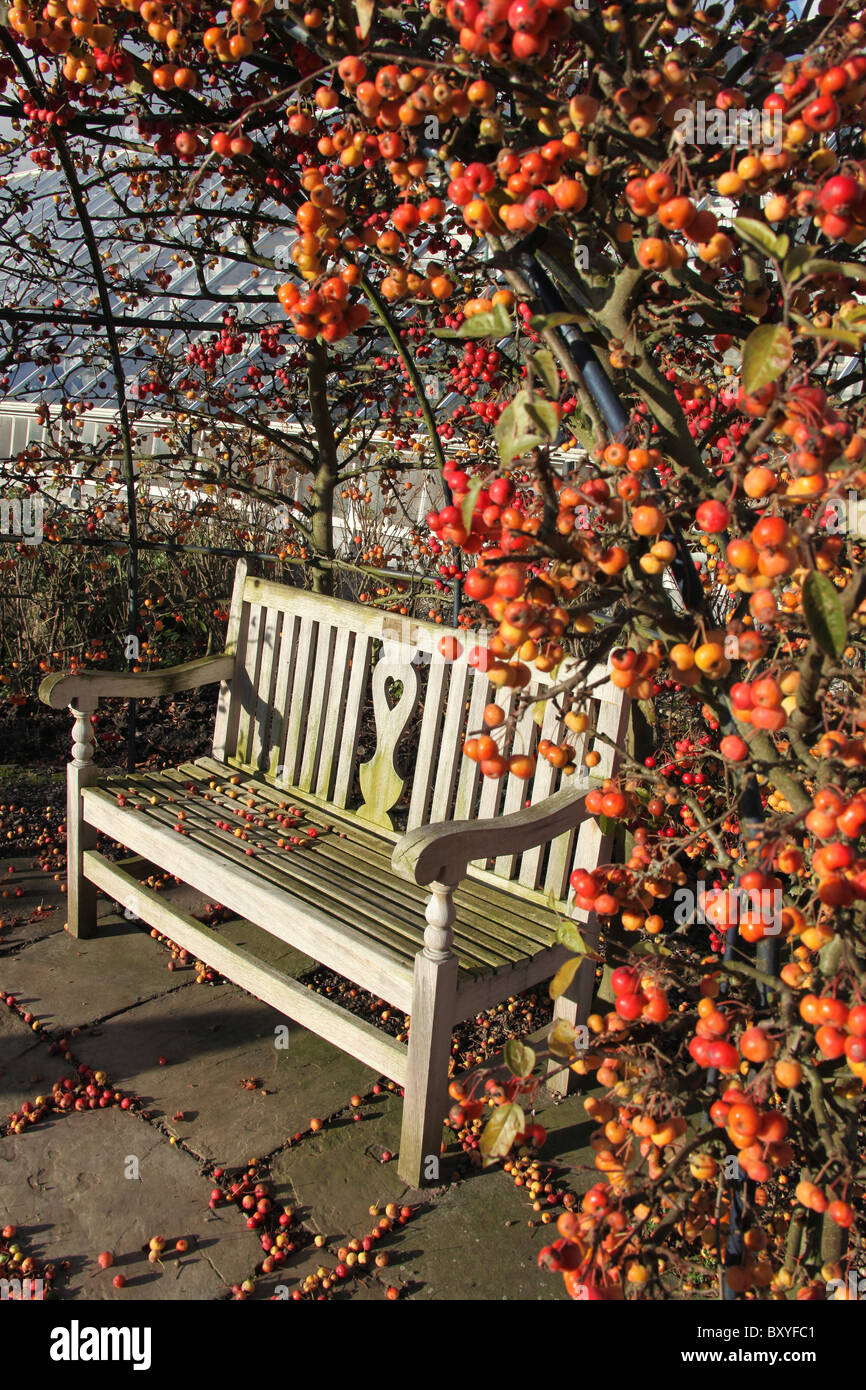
(358, 709)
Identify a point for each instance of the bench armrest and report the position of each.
(443, 852)
(67, 688)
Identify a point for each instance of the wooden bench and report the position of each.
(431, 887)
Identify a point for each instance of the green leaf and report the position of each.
(818, 265)
(564, 976)
(467, 506)
(560, 1039)
(500, 1131)
(495, 323)
(539, 322)
(581, 432)
(825, 618)
(797, 258)
(650, 948)
(519, 1059)
(544, 415)
(606, 824)
(849, 336)
(760, 235)
(538, 710)
(514, 432)
(545, 368)
(568, 935)
(766, 353)
(830, 956)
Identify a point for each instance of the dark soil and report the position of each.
(166, 731)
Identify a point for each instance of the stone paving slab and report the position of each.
(474, 1243)
(38, 889)
(333, 1177)
(26, 1068)
(213, 1038)
(471, 1240)
(68, 983)
(63, 1186)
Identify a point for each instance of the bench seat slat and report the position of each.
(358, 903)
(351, 884)
(485, 889)
(487, 919)
(369, 963)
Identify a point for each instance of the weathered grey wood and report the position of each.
(282, 686)
(381, 783)
(484, 992)
(80, 837)
(354, 714)
(428, 742)
(72, 687)
(469, 776)
(311, 931)
(246, 683)
(222, 731)
(490, 895)
(439, 850)
(315, 723)
(434, 991)
(334, 714)
(314, 1011)
(298, 684)
(290, 754)
(517, 792)
(264, 701)
(451, 744)
(530, 863)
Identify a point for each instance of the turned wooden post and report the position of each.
(434, 992)
(80, 773)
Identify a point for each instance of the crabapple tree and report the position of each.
(624, 245)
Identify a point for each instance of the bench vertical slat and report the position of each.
(245, 694)
(451, 744)
(593, 846)
(429, 741)
(282, 686)
(560, 859)
(361, 650)
(224, 725)
(334, 712)
(290, 753)
(261, 724)
(529, 872)
(491, 790)
(470, 773)
(516, 791)
(318, 698)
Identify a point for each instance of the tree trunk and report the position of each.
(325, 479)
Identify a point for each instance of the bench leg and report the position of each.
(80, 894)
(574, 1007)
(434, 991)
